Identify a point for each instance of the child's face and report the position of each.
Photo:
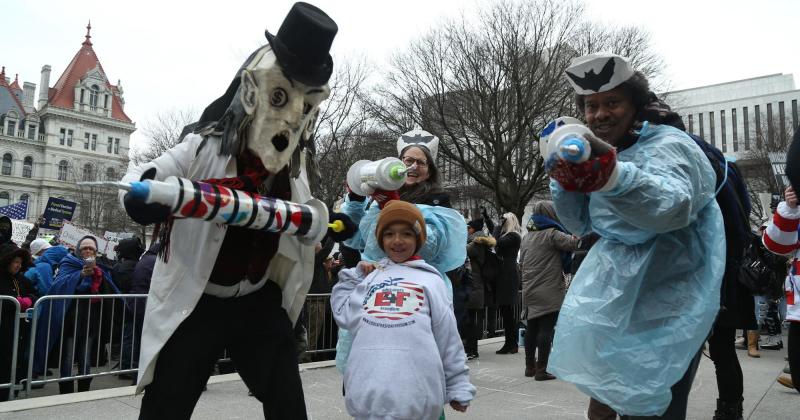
(15, 265)
(399, 242)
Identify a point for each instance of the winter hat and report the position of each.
(600, 72)
(39, 245)
(419, 138)
(130, 248)
(476, 224)
(78, 245)
(398, 211)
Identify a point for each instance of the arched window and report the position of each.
(93, 93)
(111, 174)
(4, 198)
(62, 170)
(27, 167)
(7, 159)
(87, 172)
(25, 197)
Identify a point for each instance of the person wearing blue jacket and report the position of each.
(446, 229)
(44, 268)
(78, 274)
(645, 298)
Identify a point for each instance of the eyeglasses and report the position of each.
(410, 161)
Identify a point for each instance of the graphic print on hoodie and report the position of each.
(407, 358)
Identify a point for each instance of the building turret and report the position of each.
(44, 86)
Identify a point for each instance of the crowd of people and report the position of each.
(643, 256)
(79, 331)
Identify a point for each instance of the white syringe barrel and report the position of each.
(365, 176)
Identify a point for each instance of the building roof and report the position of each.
(62, 95)
(9, 100)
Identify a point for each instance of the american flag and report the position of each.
(16, 211)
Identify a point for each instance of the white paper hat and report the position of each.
(419, 138)
(600, 72)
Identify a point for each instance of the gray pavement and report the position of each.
(503, 393)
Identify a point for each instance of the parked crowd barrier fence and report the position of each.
(67, 338)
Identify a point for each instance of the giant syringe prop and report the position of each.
(215, 203)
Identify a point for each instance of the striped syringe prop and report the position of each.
(219, 204)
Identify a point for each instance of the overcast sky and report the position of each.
(174, 54)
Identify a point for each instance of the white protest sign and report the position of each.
(19, 230)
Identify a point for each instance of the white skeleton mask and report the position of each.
(281, 109)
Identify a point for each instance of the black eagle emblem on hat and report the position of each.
(418, 138)
(592, 81)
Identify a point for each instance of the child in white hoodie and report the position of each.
(407, 358)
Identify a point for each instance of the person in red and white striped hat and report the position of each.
(781, 238)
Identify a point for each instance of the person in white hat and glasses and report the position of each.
(638, 311)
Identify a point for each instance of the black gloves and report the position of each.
(142, 213)
(350, 228)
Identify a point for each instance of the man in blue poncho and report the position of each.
(644, 300)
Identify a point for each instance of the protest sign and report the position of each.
(19, 230)
(57, 212)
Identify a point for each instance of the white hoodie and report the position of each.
(407, 358)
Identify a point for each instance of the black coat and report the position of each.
(507, 290)
(121, 274)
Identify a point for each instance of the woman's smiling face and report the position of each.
(417, 162)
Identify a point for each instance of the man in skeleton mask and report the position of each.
(219, 287)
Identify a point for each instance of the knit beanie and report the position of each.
(398, 211)
(476, 224)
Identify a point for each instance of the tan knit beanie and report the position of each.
(401, 211)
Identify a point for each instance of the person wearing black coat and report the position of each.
(139, 284)
(506, 295)
(13, 262)
(737, 311)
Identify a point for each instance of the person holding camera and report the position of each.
(78, 274)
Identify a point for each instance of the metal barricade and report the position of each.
(90, 330)
(319, 323)
(5, 318)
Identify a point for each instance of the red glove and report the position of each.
(382, 197)
(589, 176)
(24, 303)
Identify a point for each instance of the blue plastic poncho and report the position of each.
(646, 296)
(445, 248)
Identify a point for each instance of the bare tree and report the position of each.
(98, 207)
(162, 133)
(770, 142)
(487, 85)
(343, 132)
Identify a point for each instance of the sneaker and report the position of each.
(786, 370)
(786, 381)
(472, 356)
(772, 342)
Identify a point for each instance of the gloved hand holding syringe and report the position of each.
(215, 203)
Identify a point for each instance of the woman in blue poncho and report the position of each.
(78, 274)
(645, 298)
(444, 248)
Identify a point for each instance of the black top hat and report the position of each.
(303, 44)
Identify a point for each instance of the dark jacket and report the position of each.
(140, 279)
(507, 290)
(477, 248)
(321, 282)
(122, 274)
